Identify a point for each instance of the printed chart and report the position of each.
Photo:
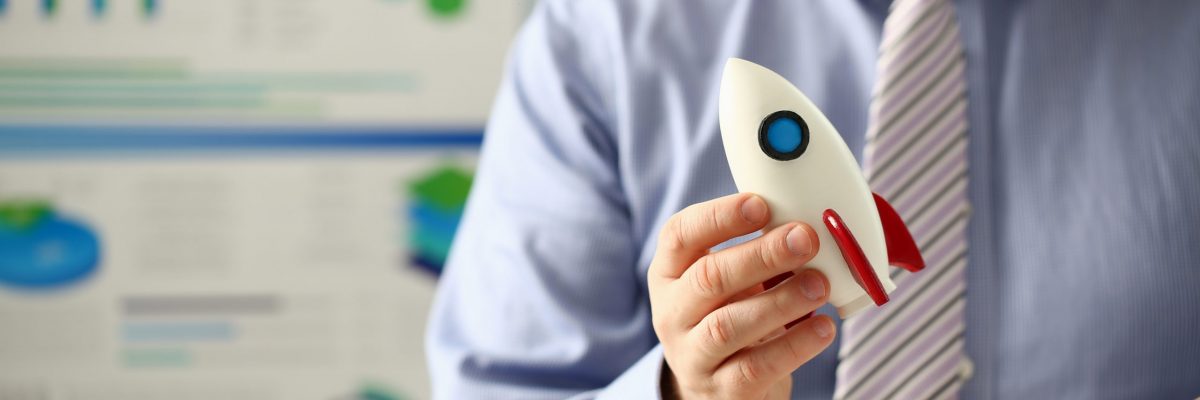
(233, 199)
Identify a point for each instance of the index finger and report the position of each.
(690, 233)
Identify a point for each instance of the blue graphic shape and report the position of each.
(51, 252)
(436, 207)
(432, 232)
(432, 220)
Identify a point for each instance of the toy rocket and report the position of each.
(781, 147)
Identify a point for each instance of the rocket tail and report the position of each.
(901, 249)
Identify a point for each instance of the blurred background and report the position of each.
(233, 199)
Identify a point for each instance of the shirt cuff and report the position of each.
(640, 381)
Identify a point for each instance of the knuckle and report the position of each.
(794, 350)
(708, 280)
(714, 220)
(718, 332)
(784, 301)
(748, 374)
(771, 252)
(699, 220)
(670, 237)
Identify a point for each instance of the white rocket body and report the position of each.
(826, 176)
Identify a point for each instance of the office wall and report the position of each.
(233, 199)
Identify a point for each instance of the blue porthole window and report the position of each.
(783, 135)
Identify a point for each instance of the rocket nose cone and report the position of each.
(742, 75)
(737, 88)
(739, 76)
(746, 87)
(736, 65)
(746, 97)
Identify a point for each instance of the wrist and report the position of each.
(667, 387)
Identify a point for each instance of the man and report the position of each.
(603, 183)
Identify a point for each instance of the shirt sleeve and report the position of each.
(541, 296)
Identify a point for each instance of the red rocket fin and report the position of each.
(901, 249)
(860, 267)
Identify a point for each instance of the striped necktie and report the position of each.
(915, 157)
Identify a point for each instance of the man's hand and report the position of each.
(722, 333)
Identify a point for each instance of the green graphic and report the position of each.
(435, 206)
(21, 215)
(375, 391)
(445, 188)
(446, 8)
(149, 7)
(49, 7)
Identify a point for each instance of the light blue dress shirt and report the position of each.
(1084, 258)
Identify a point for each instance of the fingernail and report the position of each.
(823, 328)
(814, 288)
(754, 209)
(798, 241)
